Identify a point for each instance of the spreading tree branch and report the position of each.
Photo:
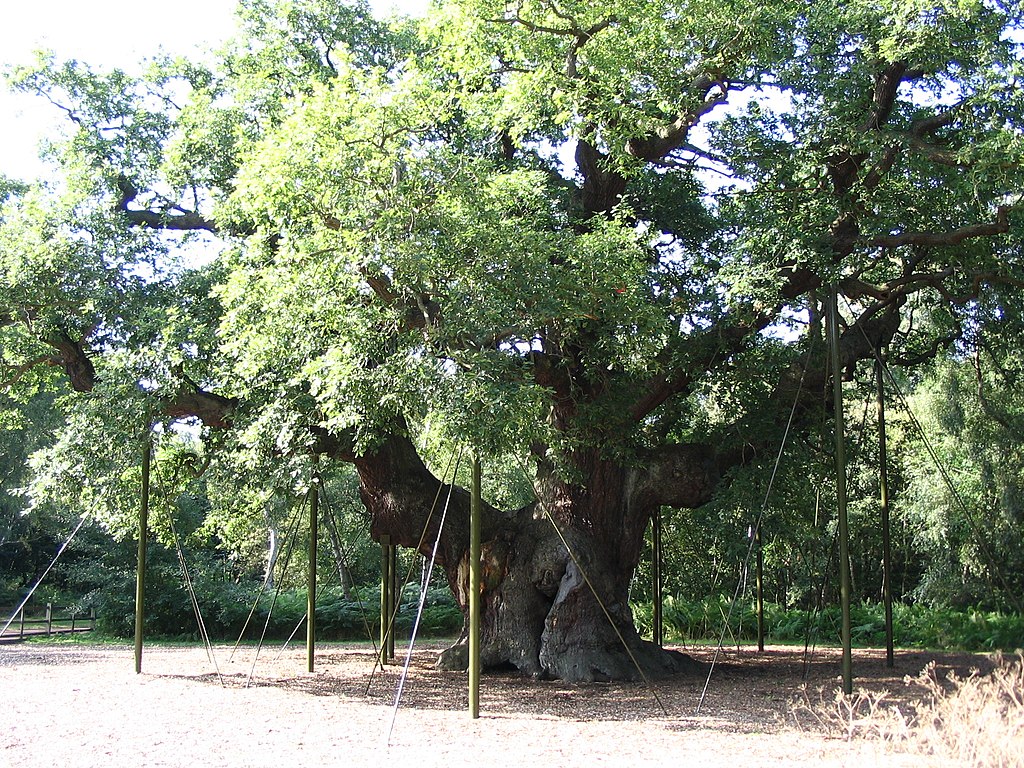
(1001, 225)
(680, 475)
(72, 358)
(667, 138)
(162, 219)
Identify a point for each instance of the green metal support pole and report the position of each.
(385, 596)
(474, 593)
(840, 457)
(658, 629)
(759, 543)
(314, 514)
(140, 572)
(392, 596)
(883, 485)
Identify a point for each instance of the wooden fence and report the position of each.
(48, 624)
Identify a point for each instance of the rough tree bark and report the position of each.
(541, 612)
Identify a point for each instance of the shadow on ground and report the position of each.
(739, 689)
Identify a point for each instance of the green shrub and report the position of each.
(913, 625)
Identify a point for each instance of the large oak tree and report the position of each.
(591, 236)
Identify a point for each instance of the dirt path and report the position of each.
(75, 705)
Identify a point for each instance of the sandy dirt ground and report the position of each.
(83, 705)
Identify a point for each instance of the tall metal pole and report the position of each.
(844, 529)
(314, 514)
(385, 597)
(140, 572)
(392, 597)
(474, 593)
(658, 630)
(758, 542)
(883, 485)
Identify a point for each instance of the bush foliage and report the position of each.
(226, 613)
(914, 626)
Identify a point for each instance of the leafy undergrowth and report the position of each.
(915, 626)
(975, 721)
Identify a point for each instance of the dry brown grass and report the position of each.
(975, 720)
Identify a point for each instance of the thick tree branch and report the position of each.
(674, 135)
(406, 500)
(926, 355)
(715, 345)
(928, 126)
(1001, 225)
(72, 358)
(887, 84)
(602, 186)
(658, 390)
(550, 373)
(183, 220)
(894, 290)
(581, 39)
(682, 475)
(18, 371)
(882, 167)
(191, 400)
(212, 409)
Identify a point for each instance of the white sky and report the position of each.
(105, 33)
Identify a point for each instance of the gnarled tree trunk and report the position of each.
(556, 573)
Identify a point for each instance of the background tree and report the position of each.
(965, 486)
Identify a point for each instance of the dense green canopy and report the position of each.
(593, 235)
